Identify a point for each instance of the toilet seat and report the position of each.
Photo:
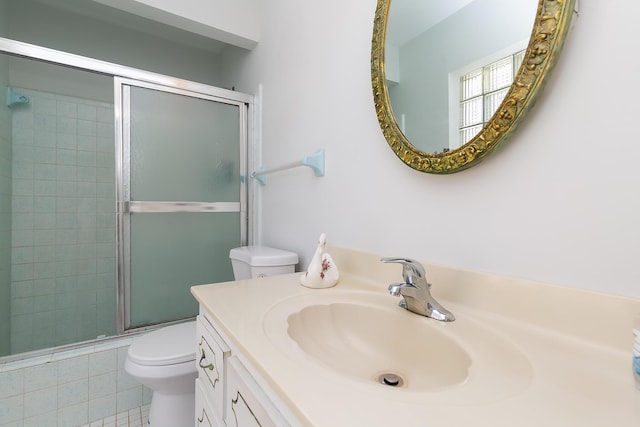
(166, 346)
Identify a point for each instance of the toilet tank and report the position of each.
(250, 262)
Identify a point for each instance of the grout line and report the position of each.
(136, 417)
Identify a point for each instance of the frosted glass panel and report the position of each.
(170, 252)
(183, 148)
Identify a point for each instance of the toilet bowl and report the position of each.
(164, 361)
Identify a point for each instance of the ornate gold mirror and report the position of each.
(451, 89)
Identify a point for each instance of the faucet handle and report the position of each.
(395, 288)
(412, 271)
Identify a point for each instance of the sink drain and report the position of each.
(390, 379)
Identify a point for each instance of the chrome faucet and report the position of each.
(416, 291)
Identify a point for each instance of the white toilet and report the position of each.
(251, 262)
(164, 359)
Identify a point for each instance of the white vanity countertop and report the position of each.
(578, 345)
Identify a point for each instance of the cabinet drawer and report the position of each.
(210, 360)
(247, 405)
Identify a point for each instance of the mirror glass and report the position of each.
(431, 44)
(452, 78)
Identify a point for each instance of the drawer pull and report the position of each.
(203, 417)
(235, 401)
(210, 366)
(202, 363)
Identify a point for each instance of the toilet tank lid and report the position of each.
(263, 256)
(165, 346)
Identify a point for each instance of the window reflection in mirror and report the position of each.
(421, 56)
(474, 96)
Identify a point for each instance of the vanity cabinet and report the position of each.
(227, 394)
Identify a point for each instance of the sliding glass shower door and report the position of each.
(181, 199)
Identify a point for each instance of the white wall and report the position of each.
(75, 32)
(559, 204)
(231, 21)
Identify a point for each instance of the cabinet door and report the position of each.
(212, 352)
(246, 403)
(206, 416)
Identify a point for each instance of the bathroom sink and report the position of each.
(369, 342)
(366, 339)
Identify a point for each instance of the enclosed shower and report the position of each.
(119, 189)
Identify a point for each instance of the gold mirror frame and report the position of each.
(552, 21)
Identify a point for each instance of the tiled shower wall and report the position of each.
(70, 388)
(62, 260)
(63, 222)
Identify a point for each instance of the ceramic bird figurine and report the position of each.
(322, 271)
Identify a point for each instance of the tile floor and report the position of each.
(133, 418)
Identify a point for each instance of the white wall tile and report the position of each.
(73, 369)
(129, 399)
(43, 105)
(40, 376)
(40, 402)
(66, 109)
(88, 142)
(87, 127)
(44, 139)
(73, 393)
(102, 385)
(147, 394)
(76, 396)
(74, 415)
(103, 362)
(11, 383)
(105, 114)
(11, 409)
(44, 171)
(102, 407)
(44, 420)
(125, 382)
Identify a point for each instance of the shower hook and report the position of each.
(14, 98)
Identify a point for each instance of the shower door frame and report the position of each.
(125, 206)
(250, 200)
